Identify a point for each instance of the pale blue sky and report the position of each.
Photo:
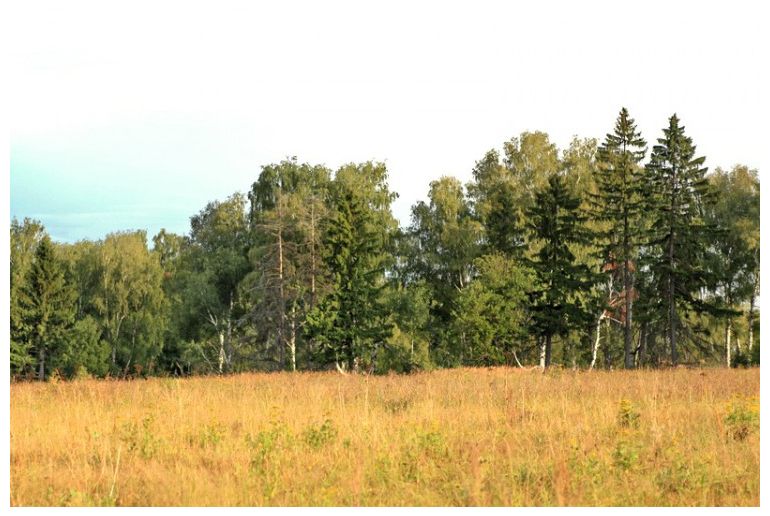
(135, 116)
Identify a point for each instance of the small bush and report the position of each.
(628, 416)
(742, 419)
(395, 406)
(319, 437)
(140, 438)
(211, 435)
(265, 443)
(625, 455)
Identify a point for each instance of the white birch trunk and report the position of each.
(221, 361)
(293, 338)
(595, 351)
(542, 355)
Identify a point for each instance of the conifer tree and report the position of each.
(555, 224)
(47, 304)
(504, 229)
(25, 237)
(679, 236)
(351, 321)
(620, 183)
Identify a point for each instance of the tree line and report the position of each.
(612, 254)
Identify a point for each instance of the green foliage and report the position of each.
(210, 436)
(129, 302)
(318, 437)
(404, 353)
(628, 415)
(139, 438)
(265, 444)
(286, 280)
(531, 159)
(351, 321)
(557, 225)
(423, 445)
(446, 239)
(21, 357)
(83, 351)
(407, 349)
(204, 287)
(305, 272)
(742, 418)
(679, 237)
(620, 203)
(625, 455)
(24, 239)
(733, 262)
(755, 354)
(489, 318)
(45, 308)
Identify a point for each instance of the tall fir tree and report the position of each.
(351, 321)
(25, 237)
(556, 225)
(47, 305)
(504, 229)
(679, 236)
(620, 203)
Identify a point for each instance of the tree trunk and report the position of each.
(608, 346)
(41, 362)
(671, 283)
(754, 292)
(221, 360)
(642, 345)
(595, 350)
(627, 333)
(228, 347)
(728, 336)
(293, 337)
(312, 254)
(281, 300)
(542, 354)
(548, 350)
(627, 284)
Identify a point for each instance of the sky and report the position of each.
(134, 115)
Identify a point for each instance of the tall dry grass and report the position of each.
(455, 437)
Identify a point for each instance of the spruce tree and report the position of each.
(504, 230)
(556, 224)
(351, 321)
(47, 305)
(619, 203)
(679, 236)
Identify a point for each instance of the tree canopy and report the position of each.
(596, 255)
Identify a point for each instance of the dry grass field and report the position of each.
(454, 437)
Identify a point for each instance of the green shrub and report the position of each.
(742, 418)
(319, 437)
(628, 415)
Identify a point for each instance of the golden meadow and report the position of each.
(452, 437)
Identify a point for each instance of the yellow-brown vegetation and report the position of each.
(452, 437)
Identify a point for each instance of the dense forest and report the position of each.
(616, 253)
